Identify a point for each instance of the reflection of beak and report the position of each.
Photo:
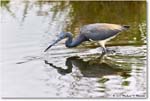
(53, 44)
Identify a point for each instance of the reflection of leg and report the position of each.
(101, 56)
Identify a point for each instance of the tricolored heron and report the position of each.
(101, 32)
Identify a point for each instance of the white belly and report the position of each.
(103, 42)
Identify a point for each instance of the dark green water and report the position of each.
(28, 27)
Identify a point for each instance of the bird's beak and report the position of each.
(53, 43)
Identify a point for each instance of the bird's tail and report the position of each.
(126, 27)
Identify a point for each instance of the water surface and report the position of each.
(28, 27)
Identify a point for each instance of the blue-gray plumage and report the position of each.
(101, 32)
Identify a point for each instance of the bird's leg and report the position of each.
(102, 43)
(104, 51)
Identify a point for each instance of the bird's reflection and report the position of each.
(90, 68)
(60, 69)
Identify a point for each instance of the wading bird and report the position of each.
(101, 32)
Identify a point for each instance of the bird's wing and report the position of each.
(101, 31)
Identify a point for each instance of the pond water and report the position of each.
(28, 27)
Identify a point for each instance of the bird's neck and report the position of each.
(74, 42)
(69, 40)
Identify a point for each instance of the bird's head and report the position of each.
(61, 36)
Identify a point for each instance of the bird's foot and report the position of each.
(110, 51)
